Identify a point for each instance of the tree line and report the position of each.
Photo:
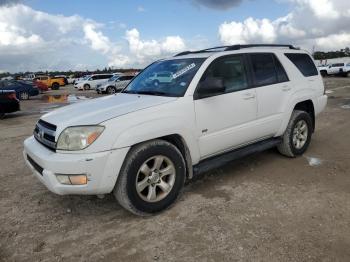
(332, 54)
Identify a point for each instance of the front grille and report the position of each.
(47, 125)
(45, 134)
(36, 166)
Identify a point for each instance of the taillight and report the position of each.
(12, 96)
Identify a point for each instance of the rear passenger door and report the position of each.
(273, 90)
(226, 121)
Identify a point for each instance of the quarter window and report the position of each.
(231, 70)
(304, 63)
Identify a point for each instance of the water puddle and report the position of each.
(63, 99)
(346, 106)
(313, 161)
(52, 102)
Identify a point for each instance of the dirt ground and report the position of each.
(262, 208)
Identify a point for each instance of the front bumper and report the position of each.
(101, 168)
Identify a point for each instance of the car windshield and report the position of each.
(165, 78)
(113, 78)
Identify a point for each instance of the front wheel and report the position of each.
(151, 179)
(86, 87)
(297, 137)
(24, 95)
(111, 90)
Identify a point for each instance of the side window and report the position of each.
(93, 78)
(122, 78)
(281, 73)
(44, 78)
(304, 63)
(231, 70)
(129, 77)
(263, 67)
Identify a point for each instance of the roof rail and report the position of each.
(234, 47)
(238, 47)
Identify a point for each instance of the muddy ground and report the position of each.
(263, 208)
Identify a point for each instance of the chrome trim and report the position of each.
(39, 133)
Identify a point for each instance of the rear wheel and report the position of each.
(323, 73)
(24, 95)
(297, 137)
(55, 86)
(111, 90)
(2, 115)
(151, 179)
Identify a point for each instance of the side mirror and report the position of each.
(211, 86)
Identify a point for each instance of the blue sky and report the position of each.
(86, 34)
(159, 18)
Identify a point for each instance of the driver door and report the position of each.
(226, 121)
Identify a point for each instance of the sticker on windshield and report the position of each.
(184, 70)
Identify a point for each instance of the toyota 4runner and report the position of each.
(143, 143)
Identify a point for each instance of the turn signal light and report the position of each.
(72, 179)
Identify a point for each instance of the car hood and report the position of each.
(95, 111)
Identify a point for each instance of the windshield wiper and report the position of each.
(152, 92)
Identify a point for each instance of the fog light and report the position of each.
(63, 179)
(72, 179)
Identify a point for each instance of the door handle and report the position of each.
(248, 96)
(286, 88)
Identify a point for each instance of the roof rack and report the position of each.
(234, 47)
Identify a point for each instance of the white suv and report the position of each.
(92, 81)
(143, 143)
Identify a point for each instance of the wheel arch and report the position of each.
(179, 142)
(307, 106)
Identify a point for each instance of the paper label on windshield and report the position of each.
(184, 70)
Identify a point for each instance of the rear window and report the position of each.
(304, 63)
(338, 65)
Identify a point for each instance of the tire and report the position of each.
(111, 90)
(2, 115)
(24, 95)
(288, 147)
(139, 201)
(324, 73)
(86, 86)
(55, 86)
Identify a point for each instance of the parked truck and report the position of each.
(52, 82)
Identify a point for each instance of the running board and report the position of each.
(225, 158)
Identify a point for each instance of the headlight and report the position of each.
(78, 137)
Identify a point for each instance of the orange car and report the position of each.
(52, 82)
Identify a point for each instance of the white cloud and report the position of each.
(320, 23)
(141, 9)
(99, 42)
(148, 50)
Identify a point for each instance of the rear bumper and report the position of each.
(320, 104)
(101, 168)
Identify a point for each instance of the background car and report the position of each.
(23, 90)
(114, 84)
(161, 77)
(52, 82)
(8, 102)
(92, 81)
